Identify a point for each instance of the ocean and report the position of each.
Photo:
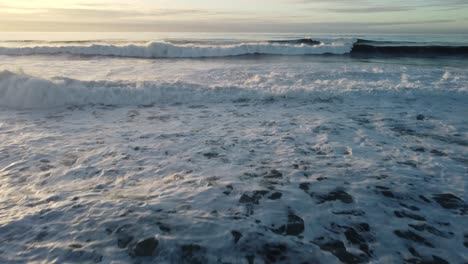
(233, 148)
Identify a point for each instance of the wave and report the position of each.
(202, 49)
(19, 90)
(305, 41)
(397, 48)
(171, 50)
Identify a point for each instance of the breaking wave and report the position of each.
(171, 50)
(207, 49)
(19, 90)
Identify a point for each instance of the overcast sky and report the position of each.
(332, 16)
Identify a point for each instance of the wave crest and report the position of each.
(170, 50)
(19, 90)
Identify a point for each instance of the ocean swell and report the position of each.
(211, 49)
(170, 50)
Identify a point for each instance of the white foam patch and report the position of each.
(88, 183)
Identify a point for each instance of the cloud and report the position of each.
(381, 6)
(103, 15)
(369, 9)
(88, 16)
(326, 1)
(221, 25)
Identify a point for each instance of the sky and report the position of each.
(331, 16)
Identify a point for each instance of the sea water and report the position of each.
(228, 148)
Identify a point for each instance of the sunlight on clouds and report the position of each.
(38, 3)
(240, 15)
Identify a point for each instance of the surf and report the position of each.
(161, 49)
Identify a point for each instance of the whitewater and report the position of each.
(273, 148)
(169, 50)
